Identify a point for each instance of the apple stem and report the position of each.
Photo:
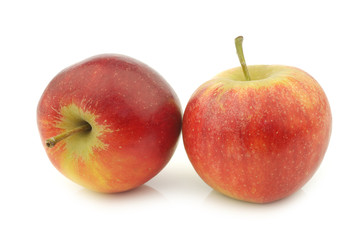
(50, 142)
(240, 53)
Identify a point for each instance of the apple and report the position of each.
(109, 123)
(257, 133)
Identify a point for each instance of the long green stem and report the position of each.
(240, 53)
(53, 140)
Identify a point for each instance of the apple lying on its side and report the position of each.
(109, 123)
(257, 134)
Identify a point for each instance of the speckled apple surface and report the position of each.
(258, 140)
(135, 119)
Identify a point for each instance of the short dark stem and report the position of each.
(50, 142)
(240, 53)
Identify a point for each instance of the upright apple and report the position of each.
(109, 123)
(257, 134)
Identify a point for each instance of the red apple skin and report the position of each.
(135, 117)
(257, 141)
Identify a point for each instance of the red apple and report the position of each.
(257, 134)
(109, 123)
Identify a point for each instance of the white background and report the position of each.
(187, 42)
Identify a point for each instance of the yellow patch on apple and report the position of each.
(81, 144)
(79, 149)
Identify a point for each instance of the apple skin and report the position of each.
(135, 118)
(259, 140)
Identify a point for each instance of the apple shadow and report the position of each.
(217, 199)
(143, 193)
(180, 181)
